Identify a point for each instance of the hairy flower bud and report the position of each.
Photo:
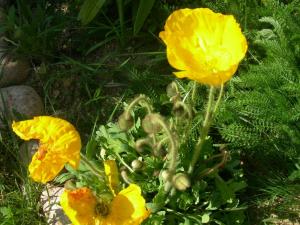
(125, 121)
(70, 185)
(142, 144)
(166, 175)
(158, 150)
(172, 90)
(181, 181)
(136, 164)
(150, 123)
(180, 109)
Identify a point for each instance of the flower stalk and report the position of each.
(92, 167)
(211, 108)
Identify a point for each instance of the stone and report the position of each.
(13, 71)
(50, 203)
(4, 3)
(27, 150)
(19, 102)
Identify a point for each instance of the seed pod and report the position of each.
(125, 121)
(137, 164)
(150, 123)
(181, 181)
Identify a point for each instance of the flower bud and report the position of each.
(69, 185)
(125, 121)
(142, 144)
(159, 150)
(180, 109)
(166, 175)
(172, 90)
(181, 181)
(136, 164)
(150, 123)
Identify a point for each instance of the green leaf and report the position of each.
(226, 193)
(144, 9)
(89, 10)
(91, 148)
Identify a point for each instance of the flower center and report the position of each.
(102, 209)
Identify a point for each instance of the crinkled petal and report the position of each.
(111, 171)
(59, 143)
(127, 208)
(79, 205)
(204, 46)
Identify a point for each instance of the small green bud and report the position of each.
(137, 164)
(125, 121)
(150, 123)
(181, 181)
(166, 175)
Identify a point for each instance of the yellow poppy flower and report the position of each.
(126, 208)
(204, 46)
(59, 143)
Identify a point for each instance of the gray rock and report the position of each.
(50, 202)
(13, 71)
(19, 102)
(27, 150)
(3, 3)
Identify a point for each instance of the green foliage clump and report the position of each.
(261, 110)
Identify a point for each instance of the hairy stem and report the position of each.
(92, 167)
(204, 131)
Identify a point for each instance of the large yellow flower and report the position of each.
(204, 46)
(59, 143)
(126, 208)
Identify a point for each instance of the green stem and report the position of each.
(204, 132)
(92, 167)
(173, 149)
(124, 163)
(172, 153)
(194, 91)
(136, 101)
(219, 98)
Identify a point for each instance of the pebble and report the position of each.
(50, 203)
(19, 102)
(13, 71)
(3, 3)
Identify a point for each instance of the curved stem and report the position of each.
(136, 101)
(173, 149)
(204, 132)
(124, 163)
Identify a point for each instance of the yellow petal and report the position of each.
(127, 208)
(204, 46)
(79, 205)
(59, 143)
(111, 171)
